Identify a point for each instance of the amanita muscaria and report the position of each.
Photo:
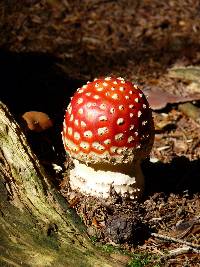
(108, 130)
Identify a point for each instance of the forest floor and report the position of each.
(170, 207)
(163, 36)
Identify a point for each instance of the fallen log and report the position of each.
(37, 228)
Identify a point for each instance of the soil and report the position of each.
(139, 40)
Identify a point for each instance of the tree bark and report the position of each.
(37, 228)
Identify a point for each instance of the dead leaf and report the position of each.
(95, 223)
(189, 73)
(159, 99)
(74, 202)
(184, 228)
(191, 111)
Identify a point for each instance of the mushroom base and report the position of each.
(97, 180)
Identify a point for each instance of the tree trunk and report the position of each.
(37, 228)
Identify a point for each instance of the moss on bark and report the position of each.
(37, 228)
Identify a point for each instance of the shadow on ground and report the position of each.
(33, 81)
(177, 176)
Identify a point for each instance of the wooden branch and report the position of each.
(176, 240)
(180, 251)
(37, 228)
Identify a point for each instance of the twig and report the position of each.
(176, 252)
(177, 240)
(183, 250)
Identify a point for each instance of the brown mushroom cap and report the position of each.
(37, 121)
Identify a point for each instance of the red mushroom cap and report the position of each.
(108, 120)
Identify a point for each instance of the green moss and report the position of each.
(137, 260)
(94, 239)
(110, 248)
(37, 228)
(141, 260)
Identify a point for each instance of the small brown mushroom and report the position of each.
(37, 121)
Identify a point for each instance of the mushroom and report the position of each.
(108, 130)
(37, 121)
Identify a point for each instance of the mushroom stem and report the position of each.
(98, 179)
